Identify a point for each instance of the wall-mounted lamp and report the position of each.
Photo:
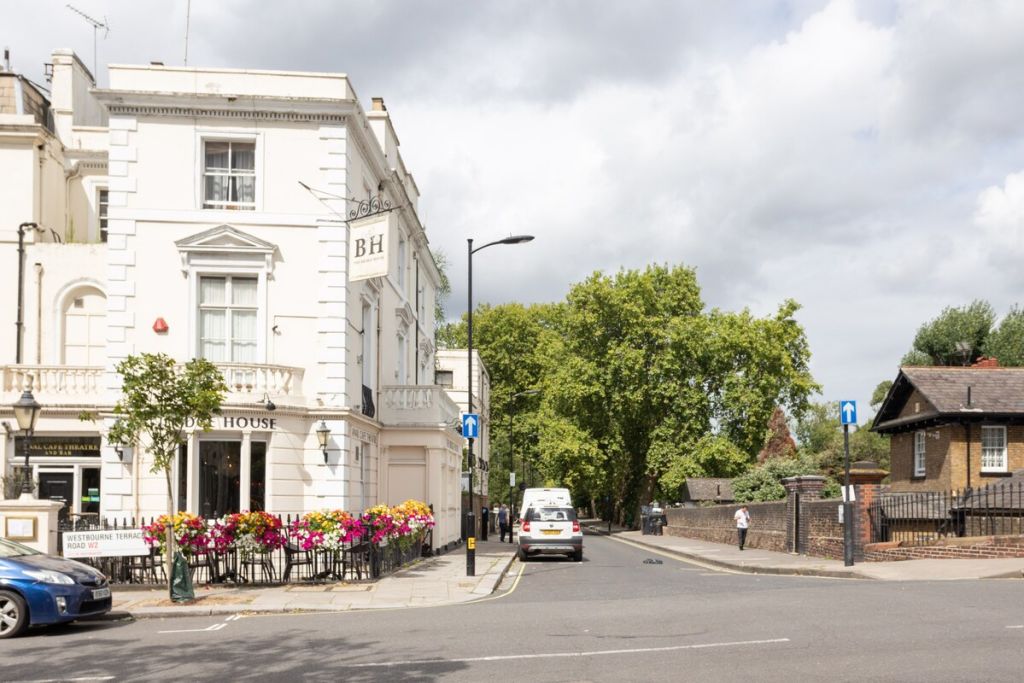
(268, 404)
(160, 326)
(323, 433)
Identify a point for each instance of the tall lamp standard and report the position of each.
(26, 412)
(470, 521)
(512, 453)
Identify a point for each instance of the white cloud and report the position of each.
(861, 157)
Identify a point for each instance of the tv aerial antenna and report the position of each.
(96, 24)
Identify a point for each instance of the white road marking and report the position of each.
(214, 627)
(63, 680)
(1016, 626)
(234, 617)
(555, 655)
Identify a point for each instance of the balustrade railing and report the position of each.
(74, 384)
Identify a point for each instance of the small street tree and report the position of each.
(159, 399)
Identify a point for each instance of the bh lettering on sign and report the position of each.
(368, 248)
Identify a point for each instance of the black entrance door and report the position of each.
(58, 486)
(219, 477)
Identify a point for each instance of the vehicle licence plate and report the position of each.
(100, 593)
(551, 532)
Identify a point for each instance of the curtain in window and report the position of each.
(243, 336)
(211, 290)
(243, 291)
(212, 335)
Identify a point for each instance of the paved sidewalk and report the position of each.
(756, 561)
(430, 582)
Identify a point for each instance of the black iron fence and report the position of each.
(926, 517)
(358, 559)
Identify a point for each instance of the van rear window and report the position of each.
(551, 514)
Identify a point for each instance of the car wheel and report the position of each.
(13, 614)
(577, 556)
(521, 555)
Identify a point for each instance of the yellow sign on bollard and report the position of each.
(470, 543)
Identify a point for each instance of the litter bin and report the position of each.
(652, 519)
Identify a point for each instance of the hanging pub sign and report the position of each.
(44, 446)
(368, 247)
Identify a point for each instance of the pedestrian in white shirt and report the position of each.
(742, 524)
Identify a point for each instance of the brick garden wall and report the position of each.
(824, 533)
(717, 524)
(966, 548)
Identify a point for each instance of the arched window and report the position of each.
(84, 318)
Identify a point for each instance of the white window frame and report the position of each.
(920, 450)
(228, 307)
(998, 451)
(199, 260)
(103, 214)
(210, 135)
(402, 258)
(402, 366)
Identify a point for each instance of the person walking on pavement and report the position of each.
(742, 524)
(503, 523)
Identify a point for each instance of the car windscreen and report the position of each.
(551, 514)
(12, 549)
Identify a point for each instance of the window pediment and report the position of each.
(229, 245)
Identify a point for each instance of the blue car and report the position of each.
(36, 589)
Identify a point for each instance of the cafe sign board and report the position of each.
(108, 543)
(44, 446)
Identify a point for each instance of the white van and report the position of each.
(544, 497)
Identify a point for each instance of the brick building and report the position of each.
(953, 427)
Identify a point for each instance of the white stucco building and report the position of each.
(205, 213)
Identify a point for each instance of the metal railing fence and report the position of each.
(359, 559)
(922, 518)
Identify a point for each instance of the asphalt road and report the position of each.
(613, 617)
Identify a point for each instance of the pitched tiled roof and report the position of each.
(994, 391)
(708, 489)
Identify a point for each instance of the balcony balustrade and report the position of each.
(72, 385)
(416, 405)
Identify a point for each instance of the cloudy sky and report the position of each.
(863, 158)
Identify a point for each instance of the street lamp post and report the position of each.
(470, 520)
(511, 455)
(26, 412)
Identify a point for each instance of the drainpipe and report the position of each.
(70, 174)
(415, 258)
(39, 312)
(19, 321)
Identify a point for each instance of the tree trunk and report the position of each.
(169, 559)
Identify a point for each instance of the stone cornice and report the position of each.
(262, 108)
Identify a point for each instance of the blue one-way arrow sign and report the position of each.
(848, 412)
(470, 426)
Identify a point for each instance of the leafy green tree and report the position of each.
(641, 371)
(818, 429)
(764, 482)
(712, 456)
(880, 392)
(956, 337)
(159, 399)
(443, 290)
(1006, 342)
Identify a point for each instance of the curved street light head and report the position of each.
(511, 239)
(517, 239)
